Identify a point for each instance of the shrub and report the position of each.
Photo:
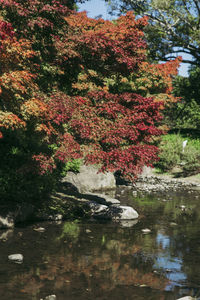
(191, 158)
(172, 154)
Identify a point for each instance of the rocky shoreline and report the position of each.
(160, 183)
(86, 194)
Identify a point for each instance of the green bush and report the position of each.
(172, 154)
(191, 158)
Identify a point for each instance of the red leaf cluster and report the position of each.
(112, 130)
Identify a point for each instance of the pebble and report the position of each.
(50, 297)
(16, 258)
(186, 298)
(142, 285)
(182, 207)
(173, 224)
(146, 230)
(39, 229)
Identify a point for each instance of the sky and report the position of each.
(96, 8)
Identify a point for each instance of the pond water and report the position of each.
(103, 260)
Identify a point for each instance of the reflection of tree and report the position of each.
(98, 261)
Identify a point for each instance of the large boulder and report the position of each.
(89, 179)
(112, 212)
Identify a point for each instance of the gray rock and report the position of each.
(17, 258)
(112, 212)
(98, 210)
(122, 213)
(104, 199)
(89, 179)
(6, 221)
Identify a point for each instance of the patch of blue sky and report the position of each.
(95, 8)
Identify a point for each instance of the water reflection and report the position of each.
(109, 261)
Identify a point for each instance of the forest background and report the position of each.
(79, 90)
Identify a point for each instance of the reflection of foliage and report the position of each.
(94, 266)
(146, 201)
(70, 230)
(109, 255)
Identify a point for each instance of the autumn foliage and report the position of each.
(75, 87)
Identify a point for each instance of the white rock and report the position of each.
(39, 229)
(6, 222)
(186, 298)
(123, 213)
(173, 224)
(50, 297)
(146, 230)
(17, 258)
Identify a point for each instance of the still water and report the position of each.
(101, 260)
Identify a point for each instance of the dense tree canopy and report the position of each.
(174, 26)
(75, 87)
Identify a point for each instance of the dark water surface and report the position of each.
(109, 261)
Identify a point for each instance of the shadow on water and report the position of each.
(109, 261)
